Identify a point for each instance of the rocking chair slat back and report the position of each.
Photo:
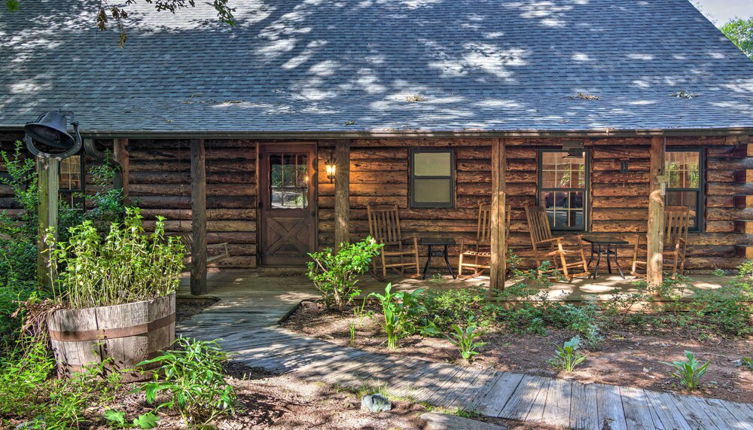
(677, 219)
(484, 227)
(538, 224)
(384, 224)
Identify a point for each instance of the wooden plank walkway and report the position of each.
(257, 341)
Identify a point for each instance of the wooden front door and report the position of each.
(287, 187)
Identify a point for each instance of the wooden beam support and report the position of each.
(342, 192)
(198, 218)
(120, 156)
(498, 217)
(655, 234)
(48, 171)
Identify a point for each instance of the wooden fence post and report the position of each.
(342, 192)
(198, 218)
(655, 235)
(498, 240)
(48, 171)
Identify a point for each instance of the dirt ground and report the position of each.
(624, 358)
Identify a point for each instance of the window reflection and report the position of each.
(563, 188)
(289, 181)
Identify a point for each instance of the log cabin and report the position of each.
(274, 135)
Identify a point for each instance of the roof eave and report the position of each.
(355, 134)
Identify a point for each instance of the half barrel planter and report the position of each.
(127, 333)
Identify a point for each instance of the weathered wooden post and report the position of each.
(498, 240)
(655, 234)
(342, 192)
(48, 172)
(198, 218)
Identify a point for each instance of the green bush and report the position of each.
(567, 357)
(192, 378)
(28, 392)
(726, 309)
(396, 310)
(335, 274)
(465, 339)
(690, 371)
(129, 265)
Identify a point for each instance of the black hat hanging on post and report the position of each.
(48, 136)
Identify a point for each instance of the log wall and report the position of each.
(160, 184)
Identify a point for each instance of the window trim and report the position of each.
(412, 177)
(700, 213)
(586, 188)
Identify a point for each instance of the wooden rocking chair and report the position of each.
(546, 247)
(384, 227)
(479, 250)
(676, 222)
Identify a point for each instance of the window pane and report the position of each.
(564, 208)
(70, 173)
(432, 191)
(432, 164)
(561, 170)
(684, 198)
(288, 181)
(683, 169)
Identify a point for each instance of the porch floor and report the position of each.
(263, 286)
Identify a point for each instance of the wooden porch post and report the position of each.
(655, 235)
(498, 239)
(120, 156)
(48, 170)
(342, 192)
(198, 218)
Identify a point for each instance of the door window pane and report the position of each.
(289, 181)
(72, 181)
(562, 189)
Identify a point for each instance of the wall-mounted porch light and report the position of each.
(330, 168)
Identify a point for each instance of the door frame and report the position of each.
(264, 148)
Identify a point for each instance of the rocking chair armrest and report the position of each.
(552, 239)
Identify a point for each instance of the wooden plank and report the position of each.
(583, 410)
(695, 416)
(558, 401)
(664, 412)
(743, 412)
(198, 218)
(494, 400)
(722, 414)
(536, 412)
(342, 192)
(655, 232)
(498, 241)
(609, 407)
(520, 402)
(636, 408)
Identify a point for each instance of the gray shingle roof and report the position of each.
(378, 65)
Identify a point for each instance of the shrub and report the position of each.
(441, 309)
(27, 392)
(396, 308)
(335, 275)
(567, 356)
(129, 265)
(727, 309)
(465, 339)
(690, 371)
(193, 379)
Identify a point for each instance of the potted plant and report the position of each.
(117, 293)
